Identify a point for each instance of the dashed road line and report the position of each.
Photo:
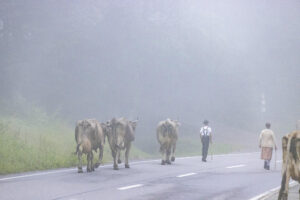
(130, 187)
(235, 166)
(134, 163)
(184, 175)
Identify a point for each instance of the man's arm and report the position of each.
(274, 140)
(201, 133)
(260, 136)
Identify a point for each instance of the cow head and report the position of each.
(118, 132)
(133, 124)
(177, 123)
(295, 145)
(130, 132)
(291, 146)
(106, 127)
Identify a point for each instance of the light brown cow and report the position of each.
(119, 138)
(291, 162)
(89, 136)
(167, 135)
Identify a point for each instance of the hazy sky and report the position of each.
(155, 59)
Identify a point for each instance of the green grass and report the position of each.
(32, 140)
(41, 142)
(34, 145)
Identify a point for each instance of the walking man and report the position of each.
(266, 142)
(206, 138)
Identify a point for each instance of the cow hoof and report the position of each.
(96, 165)
(127, 166)
(168, 162)
(163, 162)
(88, 170)
(116, 167)
(284, 197)
(119, 161)
(80, 171)
(173, 159)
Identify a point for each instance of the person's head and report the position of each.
(268, 125)
(205, 122)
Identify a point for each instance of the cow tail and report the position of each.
(77, 148)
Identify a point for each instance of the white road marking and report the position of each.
(144, 161)
(130, 187)
(184, 175)
(138, 162)
(269, 193)
(235, 166)
(37, 174)
(182, 158)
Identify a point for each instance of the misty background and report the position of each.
(188, 60)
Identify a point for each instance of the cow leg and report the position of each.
(100, 157)
(115, 154)
(283, 193)
(79, 162)
(163, 156)
(168, 154)
(88, 167)
(173, 152)
(128, 146)
(92, 161)
(119, 158)
(88, 162)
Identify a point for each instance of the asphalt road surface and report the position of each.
(232, 176)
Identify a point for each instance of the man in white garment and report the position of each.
(206, 138)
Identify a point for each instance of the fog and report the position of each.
(186, 60)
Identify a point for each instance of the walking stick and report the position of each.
(211, 153)
(275, 158)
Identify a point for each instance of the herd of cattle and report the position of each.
(90, 136)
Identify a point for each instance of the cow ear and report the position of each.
(134, 123)
(284, 142)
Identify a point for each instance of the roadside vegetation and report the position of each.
(31, 139)
(46, 142)
(41, 143)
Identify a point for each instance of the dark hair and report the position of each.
(268, 125)
(205, 122)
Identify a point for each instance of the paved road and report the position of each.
(293, 193)
(234, 176)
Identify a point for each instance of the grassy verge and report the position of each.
(45, 143)
(33, 140)
(41, 143)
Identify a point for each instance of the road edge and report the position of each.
(272, 192)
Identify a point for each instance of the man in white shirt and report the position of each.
(266, 142)
(206, 138)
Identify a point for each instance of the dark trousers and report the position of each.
(205, 145)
